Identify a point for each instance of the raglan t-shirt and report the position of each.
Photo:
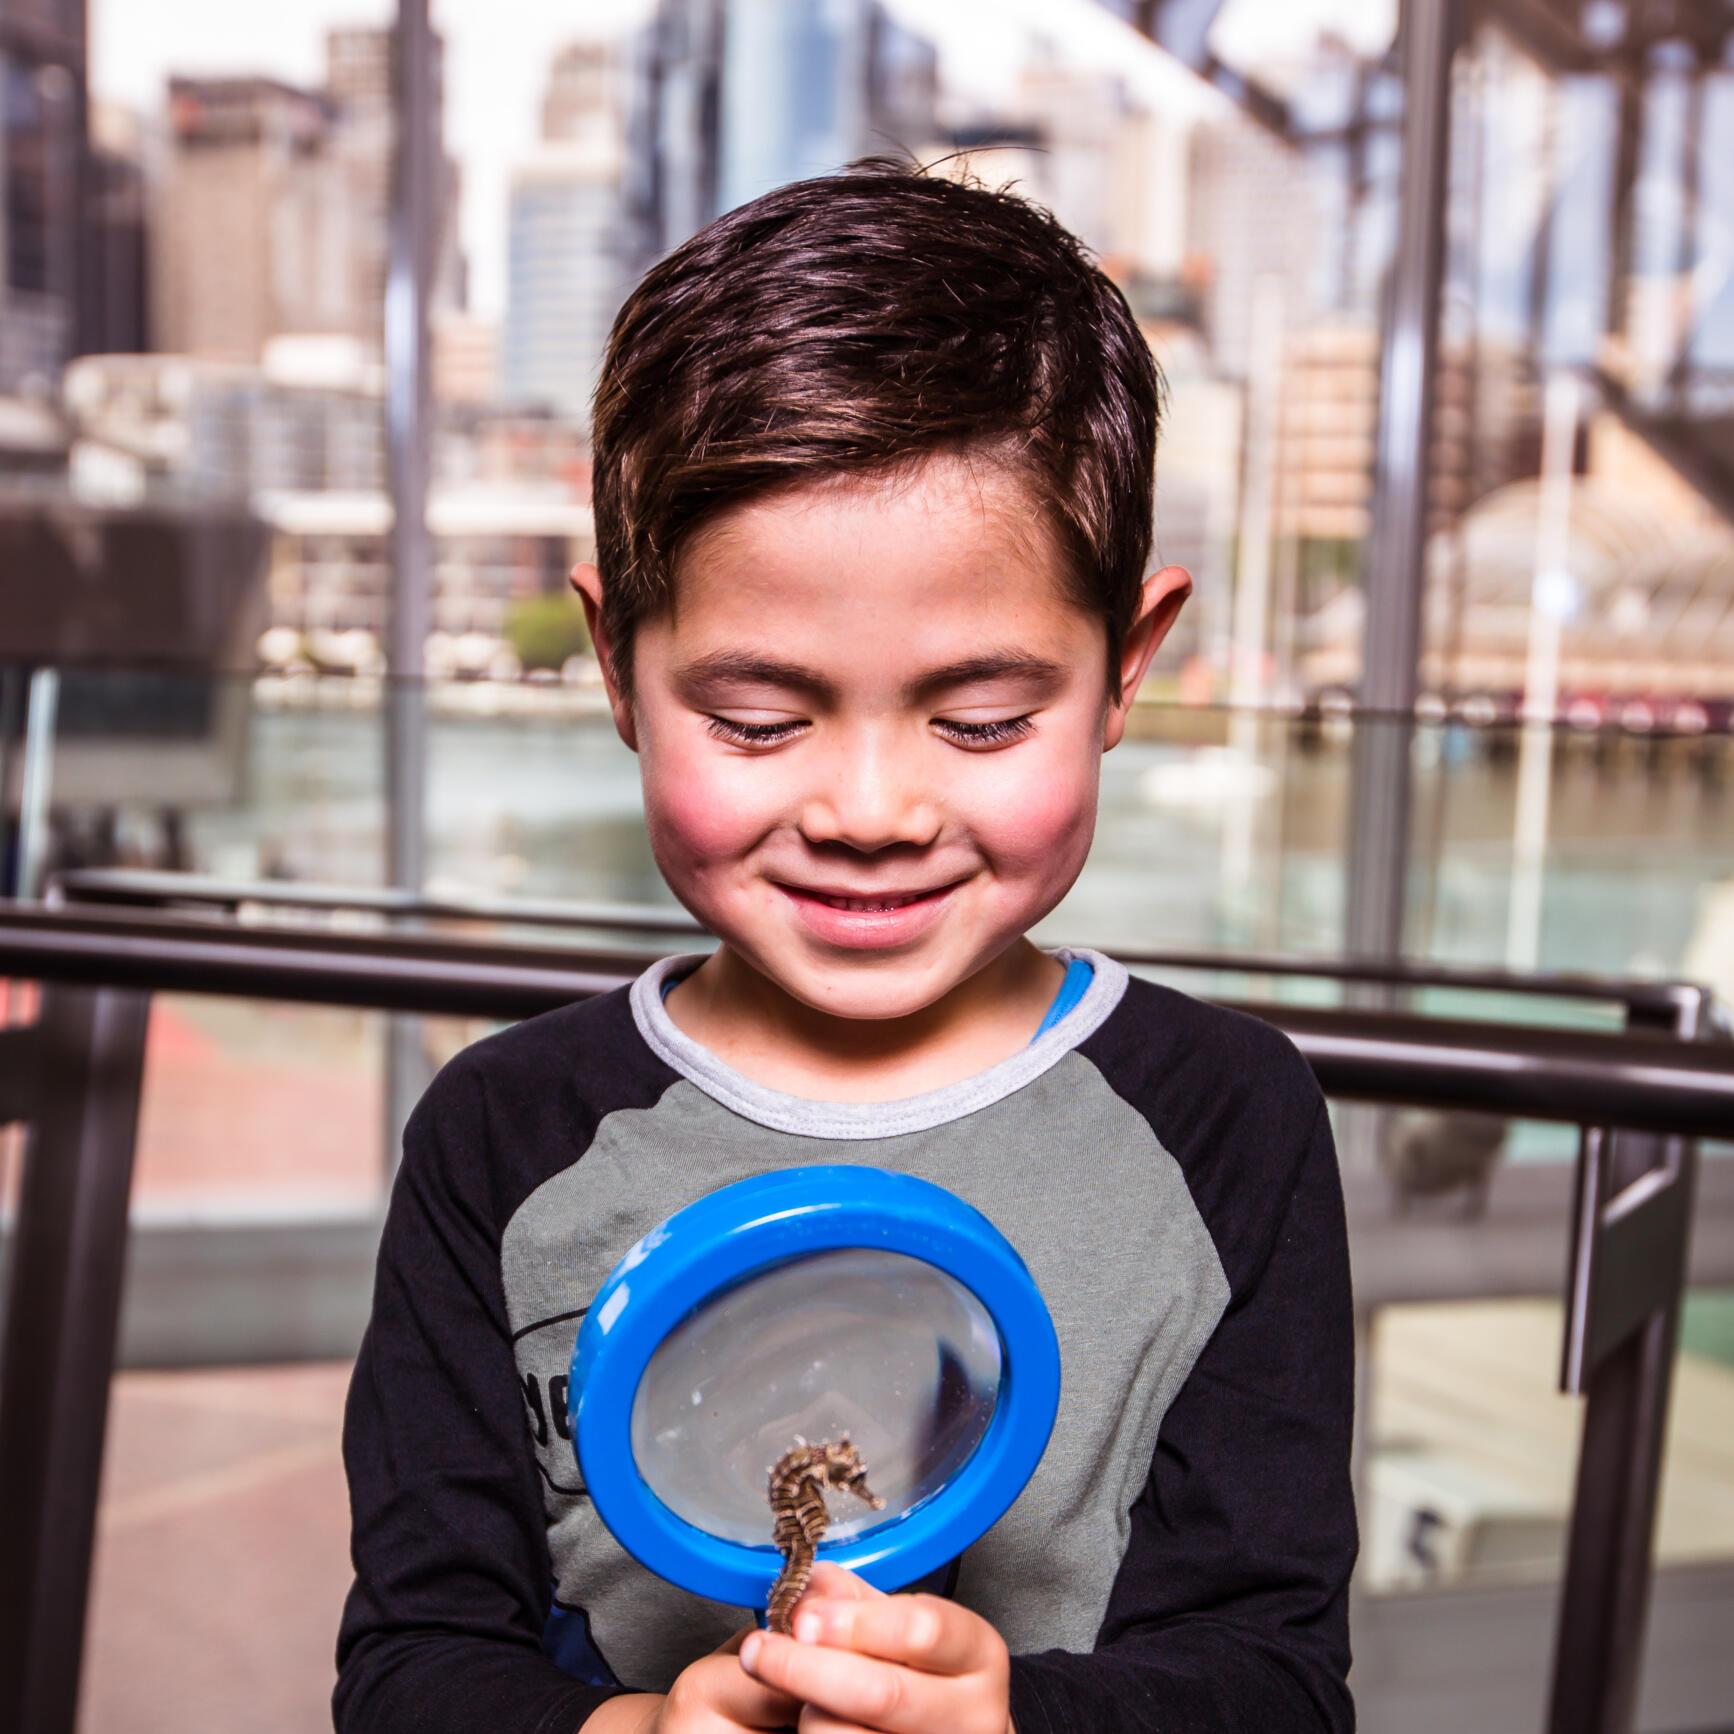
(1178, 1561)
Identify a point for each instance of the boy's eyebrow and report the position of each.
(753, 668)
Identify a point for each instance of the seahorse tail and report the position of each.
(791, 1584)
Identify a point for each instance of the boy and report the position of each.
(873, 482)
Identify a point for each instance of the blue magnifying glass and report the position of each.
(808, 1305)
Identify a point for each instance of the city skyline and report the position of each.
(495, 74)
(1196, 205)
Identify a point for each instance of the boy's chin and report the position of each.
(856, 984)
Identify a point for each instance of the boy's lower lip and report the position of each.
(868, 927)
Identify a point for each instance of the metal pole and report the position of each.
(1622, 241)
(62, 1320)
(41, 710)
(1250, 640)
(414, 224)
(12, 682)
(1630, 1237)
(1550, 599)
(1686, 254)
(1391, 646)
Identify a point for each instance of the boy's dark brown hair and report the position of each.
(857, 323)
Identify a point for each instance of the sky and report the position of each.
(498, 52)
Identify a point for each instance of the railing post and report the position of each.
(1630, 1233)
(414, 226)
(62, 1320)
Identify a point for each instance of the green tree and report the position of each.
(545, 630)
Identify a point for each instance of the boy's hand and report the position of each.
(905, 1664)
(710, 1696)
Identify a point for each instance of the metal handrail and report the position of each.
(156, 890)
(133, 888)
(1643, 1082)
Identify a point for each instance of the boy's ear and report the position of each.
(587, 581)
(1164, 594)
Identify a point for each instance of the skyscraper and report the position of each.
(809, 84)
(570, 255)
(274, 219)
(253, 229)
(734, 97)
(358, 82)
(42, 163)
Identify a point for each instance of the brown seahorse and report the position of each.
(798, 1480)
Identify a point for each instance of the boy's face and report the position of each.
(880, 692)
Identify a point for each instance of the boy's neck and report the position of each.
(763, 1031)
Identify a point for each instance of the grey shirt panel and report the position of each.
(1072, 1175)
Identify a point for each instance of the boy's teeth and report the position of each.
(861, 903)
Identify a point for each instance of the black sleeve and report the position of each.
(442, 1629)
(1230, 1611)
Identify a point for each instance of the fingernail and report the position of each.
(750, 1650)
(807, 1628)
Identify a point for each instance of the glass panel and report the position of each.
(1471, 1446)
(253, 1110)
(1587, 560)
(222, 1552)
(1697, 1519)
(1466, 1494)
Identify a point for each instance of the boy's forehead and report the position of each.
(954, 534)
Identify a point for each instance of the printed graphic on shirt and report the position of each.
(544, 1354)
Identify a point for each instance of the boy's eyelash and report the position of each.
(725, 728)
(972, 734)
(983, 734)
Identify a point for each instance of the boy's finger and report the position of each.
(850, 1687)
(723, 1687)
(924, 1632)
(833, 1581)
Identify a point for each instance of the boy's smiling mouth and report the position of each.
(879, 918)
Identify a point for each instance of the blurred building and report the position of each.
(272, 216)
(358, 81)
(72, 275)
(466, 358)
(298, 440)
(308, 417)
(114, 293)
(330, 565)
(1328, 422)
(255, 231)
(865, 83)
(711, 120)
(570, 252)
(1254, 218)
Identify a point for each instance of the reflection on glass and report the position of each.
(1471, 1448)
(875, 1345)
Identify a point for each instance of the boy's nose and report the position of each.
(865, 798)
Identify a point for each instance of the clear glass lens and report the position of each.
(877, 1345)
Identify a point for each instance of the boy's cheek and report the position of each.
(1042, 824)
(699, 819)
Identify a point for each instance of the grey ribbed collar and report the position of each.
(821, 1119)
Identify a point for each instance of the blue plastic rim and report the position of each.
(734, 1234)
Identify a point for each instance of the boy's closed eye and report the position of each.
(1000, 731)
